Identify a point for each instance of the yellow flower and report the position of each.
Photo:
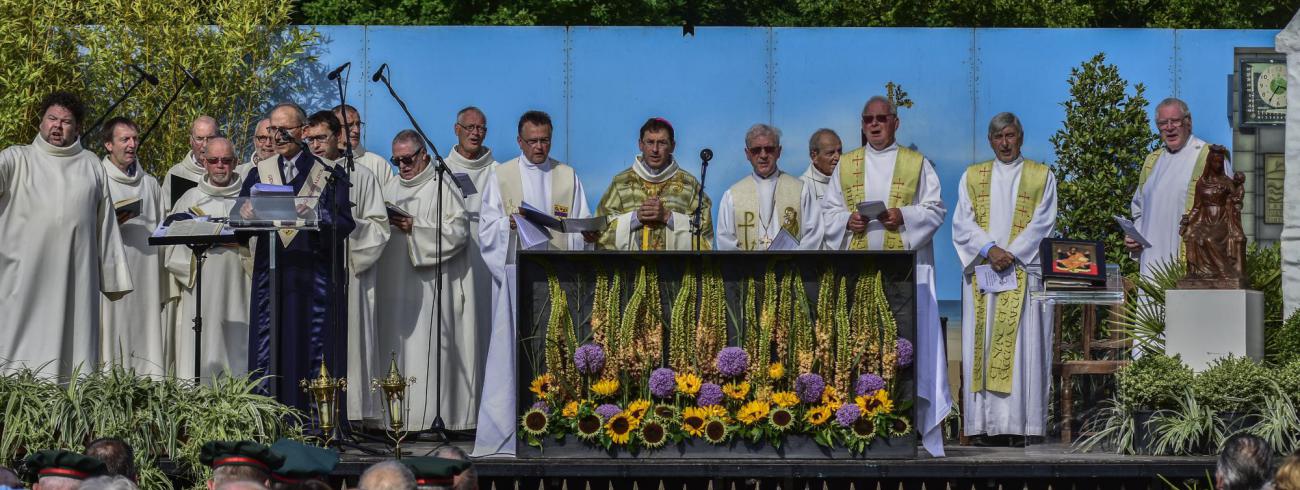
(736, 391)
(717, 412)
(884, 404)
(542, 386)
(570, 410)
(818, 415)
(637, 409)
(785, 399)
(831, 398)
(753, 412)
(693, 420)
(688, 384)
(620, 428)
(605, 387)
(776, 371)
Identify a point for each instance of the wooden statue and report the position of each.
(1214, 242)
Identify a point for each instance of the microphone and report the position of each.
(379, 73)
(147, 77)
(335, 74)
(284, 135)
(705, 155)
(193, 79)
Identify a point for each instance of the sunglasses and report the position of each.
(880, 118)
(759, 150)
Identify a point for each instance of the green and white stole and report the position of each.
(902, 189)
(562, 189)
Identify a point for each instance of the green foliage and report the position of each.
(1279, 423)
(1153, 382)
(1143, 316)
(1112, 428)
(1283, 343)
(1099, 151)
(1190, 428)
(1288, 378)
(1232, 384)
(1264, 268)
(240, 49)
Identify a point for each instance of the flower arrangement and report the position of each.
(827, 370)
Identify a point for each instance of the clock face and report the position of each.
(1271, 86)
(1263, 92)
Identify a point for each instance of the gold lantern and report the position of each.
(394, 388)
(324, 394)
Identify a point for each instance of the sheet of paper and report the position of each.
(579, 225)
(466, 184)
(1130, 229)
(199, 226)
(264, 189)
(992, 281)
(783, 241)
(531, 236)
(540, 218)
(869, 210)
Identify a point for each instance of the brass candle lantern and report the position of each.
(394, 388)
(324, 394)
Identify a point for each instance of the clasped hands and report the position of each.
(891, 219)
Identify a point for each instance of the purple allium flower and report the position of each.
(589, 358)
(809, 387)
(608, 411)
(868, 384)
(663, 382)
(732, 361)
(541, 405)
(847, 414)
(710, 394)
(906, 353)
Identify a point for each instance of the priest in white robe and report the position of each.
(905, 181)
(364, 246)
(651, 204)
(187, 173)
(62, 252)
(410, 320)
(226, 283)
(548, 185)
(1005, 208)
(754, 211)
(1165, 186)
(134, 335)
(824, 150)
(352, 126)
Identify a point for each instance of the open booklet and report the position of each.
(200, 226)
(128, 205)
(562, 225)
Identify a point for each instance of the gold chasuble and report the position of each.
(563, 183)
(751, 232)
(1006, 320)
(1150, 164)
(676, 189)
(902, 190)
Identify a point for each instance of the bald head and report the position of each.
(388, 475)
(203, 129)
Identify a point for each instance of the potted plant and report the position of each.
(1233, 387)
(1152, 382)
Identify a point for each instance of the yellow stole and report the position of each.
(562, 188)
(1006, 319)
(744, 198)
(268, 171)
(902, 189)
(1150, 164)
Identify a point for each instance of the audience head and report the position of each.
(465, 480)
(1244, 463)
(108, 482)
(387, 475)
(117, 455)
(1288, 475)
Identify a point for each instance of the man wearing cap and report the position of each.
(435, 473)
(239, 461)
(57, 469)
(302, 463)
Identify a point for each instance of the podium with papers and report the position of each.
(199, 233)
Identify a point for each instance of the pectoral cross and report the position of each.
(749, 223)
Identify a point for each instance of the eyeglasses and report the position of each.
(262, 139)
(473, 128)
(214, 160)
(204, 139)
(759, 150)
(317, 139)
(354, 124)
(538, 142)
(276, 129)
(407, 160)
(880, 118)
(1173, 123)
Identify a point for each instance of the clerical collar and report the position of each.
(1018, 159)
(544, 166)
(116, 173)
(230, 190)
(892, 147)
(482, 161)
(420, 178)
(817, 175)
(1192, 142)
(775, 173)
(651, 175)
(58, 151)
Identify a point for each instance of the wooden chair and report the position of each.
(1098, 356)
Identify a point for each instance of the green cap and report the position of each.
(239, 453)
(302, 461)
(67, 464)
(435, 471)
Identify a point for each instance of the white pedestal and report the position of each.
(1202, 325)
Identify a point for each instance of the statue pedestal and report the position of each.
(1206, 324)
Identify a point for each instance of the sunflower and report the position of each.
(688, 384)
(637, 409)
(899, 426)
(589, 426)
(753, 412)
(818, 415)
(776, 371)
(654, 434)
(693, 419)
(718, 412)
(785, 399)
(867, 404)
(736, 391)
(605, 387)
(782, 419)
(665, 412)
(535, 422)
(620, 428)
(831, 398)
(884, 406)
(542, 386)
(716, 431)
(570, 410)
(862, 429)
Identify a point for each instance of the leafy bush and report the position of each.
(1232, 384)
(1189, 428)
(1282, 345)
(1153, 382)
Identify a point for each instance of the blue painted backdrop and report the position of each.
(600, 84)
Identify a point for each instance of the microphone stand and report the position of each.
(438, 428)
(138, 80)
(188, 80)
(697, 223)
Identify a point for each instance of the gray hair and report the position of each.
(761, 129)
(240, 485)
(467, 109)
(409, 136)
(1175, 101)
(387, 475)
(880, 98)
(205, 120)
(469, 477)
(1244, 463)
(108, 483)
(816, 137)
(1002, 120)
(59, 483)
(297, 110)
